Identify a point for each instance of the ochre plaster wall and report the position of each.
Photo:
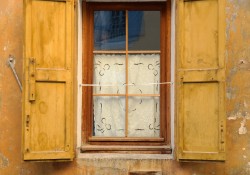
(238, 107)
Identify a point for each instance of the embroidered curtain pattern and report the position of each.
(109, 111)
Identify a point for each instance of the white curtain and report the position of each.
(143, 112)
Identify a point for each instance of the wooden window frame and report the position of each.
(126, 144)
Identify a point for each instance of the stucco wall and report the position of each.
(238, 107)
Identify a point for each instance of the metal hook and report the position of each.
(11, 62)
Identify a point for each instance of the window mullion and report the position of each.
(126, 115)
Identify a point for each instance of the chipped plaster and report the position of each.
(4, 162)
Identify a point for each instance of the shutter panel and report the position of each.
(48, 75)
(200, 80)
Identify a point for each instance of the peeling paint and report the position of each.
(243, 129)
(240, 111)
(234, 117)
(4, 162)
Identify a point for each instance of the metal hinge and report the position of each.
(32, 79)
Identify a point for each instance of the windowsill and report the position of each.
(124, 156)
(129, 148)
(101, 156)
(125, 139)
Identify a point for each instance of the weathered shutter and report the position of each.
(48, 75)
(200, 80)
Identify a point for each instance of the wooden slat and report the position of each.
(202, 75)
(59, 75)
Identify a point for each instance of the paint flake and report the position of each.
(242, 129)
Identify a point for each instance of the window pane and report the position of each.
(144, 117)
(109, 30)
(144, 30)
(109, 70)
(144, 71)
(109, 116)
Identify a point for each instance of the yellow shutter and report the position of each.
(200, 80)
(48, 75)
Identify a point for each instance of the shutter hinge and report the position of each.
(32, 79)
(222, 142)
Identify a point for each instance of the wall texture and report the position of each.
(238, 107)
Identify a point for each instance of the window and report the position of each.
(49, 86)
(126, 70)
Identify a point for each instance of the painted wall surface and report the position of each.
(238, 107)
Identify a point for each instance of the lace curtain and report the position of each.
(110, 111)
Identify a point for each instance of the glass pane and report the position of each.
(144, 71)
(144, 30)
(109, 70)
(109, 30)
(144, 117)
(109, 116)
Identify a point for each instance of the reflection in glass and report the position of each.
(109, 30)
(144, 30)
